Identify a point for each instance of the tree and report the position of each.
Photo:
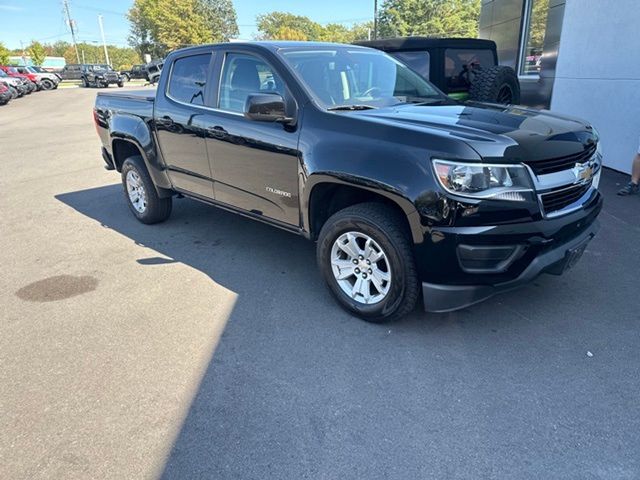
(269, 24)
(4, 55)
(37, 53)
(159, 26)
(454, 18)
(288, 33)
(287, 26)
(221, 18)
(58, 48)
(539, 14)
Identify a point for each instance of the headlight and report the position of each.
(476, 180)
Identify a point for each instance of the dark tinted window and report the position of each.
(188, 79)
(416, 61)
(457, 62)
(243, 75)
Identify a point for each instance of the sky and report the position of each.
(43, 20)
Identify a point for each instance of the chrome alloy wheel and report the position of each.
(361, 267)
(136, 191)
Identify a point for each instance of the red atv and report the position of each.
(35, 83)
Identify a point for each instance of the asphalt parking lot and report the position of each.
(207, 346)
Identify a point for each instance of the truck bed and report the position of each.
(147, 95)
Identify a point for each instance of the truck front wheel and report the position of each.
(365, 256)
(140, 193)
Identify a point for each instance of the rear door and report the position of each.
(180, 121)
(254, 164)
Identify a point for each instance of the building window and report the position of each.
(535, 31)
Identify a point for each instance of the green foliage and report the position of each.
(220, 16)
(539, 13)
(451, 18)
(270, 24)
(4, 54)
(37, 53)
(286, 26)
(58, 48)
(289, 33)
(159, 26)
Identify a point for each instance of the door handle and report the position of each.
(217, 132)
(165, 121)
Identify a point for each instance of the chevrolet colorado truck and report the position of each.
(407, 192)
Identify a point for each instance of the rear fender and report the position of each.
(132, 129)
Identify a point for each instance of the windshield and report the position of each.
(3, 74)
(339, 77)
(13, 69)
(34, 69)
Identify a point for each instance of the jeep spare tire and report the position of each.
(497, 84)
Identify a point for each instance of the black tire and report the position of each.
(14, 93)
(497, 84)
(85, 84)
(126, 77)
(120, 84)
(47, 84)
(385, 226)
(157, 209)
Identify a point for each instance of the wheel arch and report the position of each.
(129, 136)
(328, 195)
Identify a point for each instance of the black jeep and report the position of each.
(100, 76)
(463, 68)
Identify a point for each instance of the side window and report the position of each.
(458, 61)
(243, 75)
(416, 61)
(188, 79)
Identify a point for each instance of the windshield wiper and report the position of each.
(350, 107)
(422, 101)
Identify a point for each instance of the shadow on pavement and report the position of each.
(299, 389)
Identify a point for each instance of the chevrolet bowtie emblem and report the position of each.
(583, 172)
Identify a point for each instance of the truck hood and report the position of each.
(496, 132)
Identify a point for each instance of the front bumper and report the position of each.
(447, 298)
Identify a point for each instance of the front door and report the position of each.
(254, 164)
(180, 118)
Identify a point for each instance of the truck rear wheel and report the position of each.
(365, 256)
(47, 84)
(140, 193)
(497, 84)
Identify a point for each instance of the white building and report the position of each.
(580, 57)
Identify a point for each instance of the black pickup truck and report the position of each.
(405, 191)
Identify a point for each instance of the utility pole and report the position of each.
(104, 44)
(65, 3)
(375, 19)
(24, 56)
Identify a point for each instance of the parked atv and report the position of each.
(464, 69)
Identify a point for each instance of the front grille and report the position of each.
(552, 165)
(561, 198)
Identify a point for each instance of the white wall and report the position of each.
(598, 73)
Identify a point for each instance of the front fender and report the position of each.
(379, 188)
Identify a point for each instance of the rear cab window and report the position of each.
(188, 79)
(458, 61)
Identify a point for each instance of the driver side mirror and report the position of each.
(266, 107)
